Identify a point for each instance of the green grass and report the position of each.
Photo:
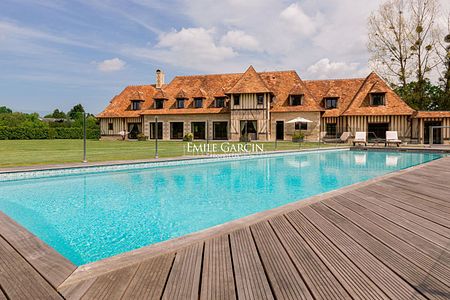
(38, 152)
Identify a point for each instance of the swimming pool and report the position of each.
(90, 216)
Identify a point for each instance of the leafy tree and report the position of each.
(5, 110)
(423, 96)
(57, 114)
(76, 112)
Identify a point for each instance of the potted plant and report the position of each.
(244, 138)
(142, 137)
(298, 137)
(189, 137)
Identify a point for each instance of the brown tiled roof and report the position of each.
(297, 89)
(432, 114)
(344, 89)
(353, 94)
(160, 94)
(360, 104)
(120, 105)
(281, 84)
(250, 82)
(200, 93)
(181, 94)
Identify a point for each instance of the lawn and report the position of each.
(35, 152)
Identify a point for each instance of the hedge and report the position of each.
(30, 133)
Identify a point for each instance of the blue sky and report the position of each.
(55, 53)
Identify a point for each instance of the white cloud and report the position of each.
(111, 65)
(325, 68)
(194, 48)
(238, 39)
(298, 21)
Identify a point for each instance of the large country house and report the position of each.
(259, 105)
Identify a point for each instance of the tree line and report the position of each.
(409, 43)
(57, 125)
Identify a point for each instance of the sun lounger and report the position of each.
(360, 137)
(342, 139)
(392, 138)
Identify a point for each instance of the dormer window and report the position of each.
(180, 102)
(135, 104)
(198, 102)
(377, 99)
(295, 100)
(220, 102)
(260, 99)
(236, 99)
(331, 103)
(159, 103)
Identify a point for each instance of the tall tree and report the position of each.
(389, 35)
(444, 58)
(5, 110)
(76, 112)
(424, 40)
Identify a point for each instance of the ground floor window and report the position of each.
(437, 132)
(110, 126)
(220, 130)
(133, 130)
(249, 129)
(301, 126)
(377, 130)
(331, 129)
(176, 130)
(198, 129)
(156, 131)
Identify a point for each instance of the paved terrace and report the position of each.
(387, 238)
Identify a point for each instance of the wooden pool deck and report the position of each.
(388, 238)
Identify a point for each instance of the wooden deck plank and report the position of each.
(285, 280)
(391, 199)
(421, 244)
(425, 262)
(110, 286)
(376, 199)
(374, 279)
(217, 275)
(19, 280)
(401, 189)
(150, 278)
(412, 190)
(425, 282)
(396, 218)
(431, 207)
(76, 290)
(250, 278)
(184, 278)
(320, 280)
(50, 264)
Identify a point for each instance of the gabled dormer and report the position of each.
(136, 101)
(220, 98)
(181, 98)
(159, 99)
(296, 95)
(199, 98)
(330, 102)
(249, 92)
(377, 95)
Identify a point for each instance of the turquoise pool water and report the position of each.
(88, 217)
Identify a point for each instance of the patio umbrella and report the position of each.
(299, 120)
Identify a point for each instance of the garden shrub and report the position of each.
(39, 133)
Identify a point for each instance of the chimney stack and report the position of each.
(159, 79)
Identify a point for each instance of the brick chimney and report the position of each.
(159, 79)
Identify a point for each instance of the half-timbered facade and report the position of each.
(259, 105)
